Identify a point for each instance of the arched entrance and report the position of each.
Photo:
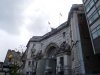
(51, 59)
(51, 50)
(47, 65)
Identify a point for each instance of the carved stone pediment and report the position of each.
(39, 55)
(64, 48)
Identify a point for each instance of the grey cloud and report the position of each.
(39, 25)
(10, 15)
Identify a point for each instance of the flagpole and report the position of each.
(49, 25)
(59, 17)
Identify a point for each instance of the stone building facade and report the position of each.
(63, 51)
(76, 52)
(13, 61)
(12, 57)
(53, 45)
(4, 70)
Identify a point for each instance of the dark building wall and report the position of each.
(97, 45)
(91, 62)
(92, 10)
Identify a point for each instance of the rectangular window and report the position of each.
(93, 17)
(98, 4)
(94, 31)
(98, 10)
(87, 2)
(91, 12)
(29, 63)
(61, 61)
(88, 7)
(98, 27)
(95, 35)
(95, 24)
(84, 1)
(98, 30)
(32, 63)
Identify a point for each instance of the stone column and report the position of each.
(67, 64)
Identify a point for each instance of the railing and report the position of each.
(65, 70)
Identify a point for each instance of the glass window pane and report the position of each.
(94, 31)
(95, 24)
(84, 1)
(98, 4)
(98, 9)
(90, 21)
(92, 10)
(99, 32)
(98, 27)
(87, 2)
(99, 12)
(93, 18)
(95, 0)
(88, 7)
(95, 35)
(94, 13)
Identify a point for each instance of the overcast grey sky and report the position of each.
(22, 19)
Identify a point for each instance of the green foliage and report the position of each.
(14, 69)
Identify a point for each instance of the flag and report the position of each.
(60, 14)
(48, 22)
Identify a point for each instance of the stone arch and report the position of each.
(51, 49)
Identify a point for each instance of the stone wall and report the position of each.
(73, 62)
(57, 38)
(77, 61)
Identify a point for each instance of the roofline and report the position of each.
(54, 31)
